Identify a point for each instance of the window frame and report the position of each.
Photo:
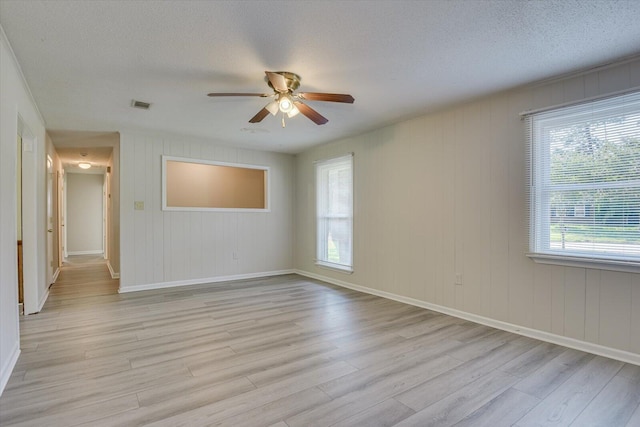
(539, 173)
(320, 248)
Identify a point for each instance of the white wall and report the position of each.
(84, 213)
(16, 102)
(165, 248)
(446, 193)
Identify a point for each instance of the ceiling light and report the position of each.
(272, 107)
(294, 112)
(84, 165)
(285, 103)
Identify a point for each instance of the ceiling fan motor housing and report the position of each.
(292, 80)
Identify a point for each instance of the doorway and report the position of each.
(50, 221)
(88, 225)
(19, 225)
(84, 226)
(60, 208)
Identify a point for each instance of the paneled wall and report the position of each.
(163, 248)
(19, 115)
(445, 194)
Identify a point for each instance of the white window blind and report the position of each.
(585, 180)
(334, 206)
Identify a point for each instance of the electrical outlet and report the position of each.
(139, 206)
(458, 279)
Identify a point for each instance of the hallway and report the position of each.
(82, 276)
(54, 341)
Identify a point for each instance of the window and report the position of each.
(585, 183)
(334, 208)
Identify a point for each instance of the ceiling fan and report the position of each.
(287, 100)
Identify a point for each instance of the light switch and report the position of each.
(458, 278)
(139, 206)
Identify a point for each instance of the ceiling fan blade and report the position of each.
(258, 117)
(278, 81)
(312, 114)
(331, 97)
(264, 95)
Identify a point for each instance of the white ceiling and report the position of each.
(74, 147)
(86, 61)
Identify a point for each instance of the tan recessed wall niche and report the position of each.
(190, 184)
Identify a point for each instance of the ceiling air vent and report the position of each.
(140, 104)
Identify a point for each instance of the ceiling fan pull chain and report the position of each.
(283, 125)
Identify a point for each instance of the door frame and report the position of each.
(50, 193)
(60, 215)
(33, 219)
(105, 215)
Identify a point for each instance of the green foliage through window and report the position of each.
(586, 179)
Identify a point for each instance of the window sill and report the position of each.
(585, 262)
(335, 267)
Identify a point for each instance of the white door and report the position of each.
(60, 216)
(105, 213)
(50, 261)
(65, 253)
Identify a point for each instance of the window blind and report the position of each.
(585, 179)
(334, 208)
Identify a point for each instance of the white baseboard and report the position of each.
(42, 301)
(7, 367)
(177, 283)
(114, 275)
(56, 274)
(96, 252)
(600, 350)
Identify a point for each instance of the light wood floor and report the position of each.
(289, 351)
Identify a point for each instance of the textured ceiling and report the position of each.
(86, 61)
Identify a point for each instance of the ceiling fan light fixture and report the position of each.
(294, 112)
(285, 103)
(272, 107)
(84, 165)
